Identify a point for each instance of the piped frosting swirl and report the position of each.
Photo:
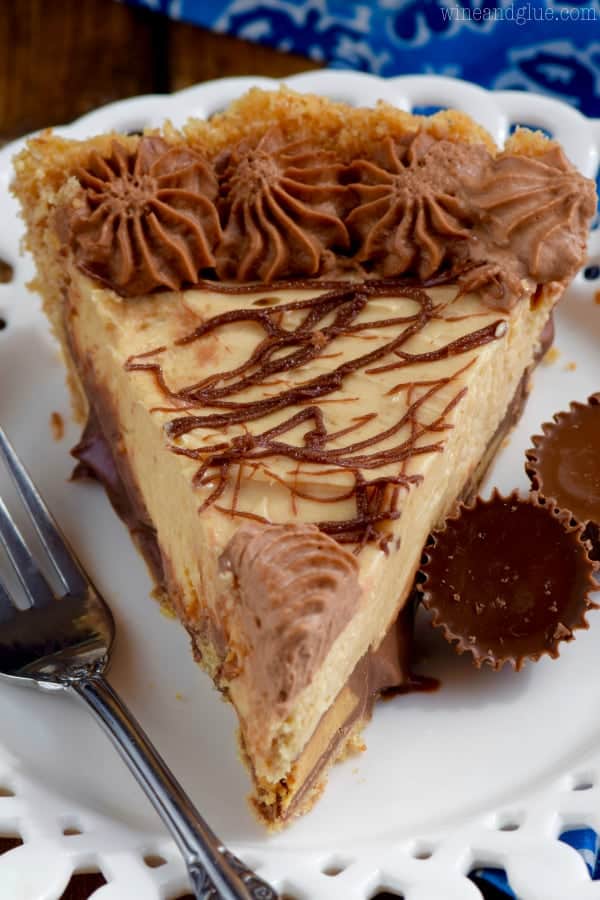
(297, 591)
(426, 205)
(144, 220)
(537, 209)
(408, 213)
(281, 205)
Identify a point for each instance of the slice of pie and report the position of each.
(298, 334)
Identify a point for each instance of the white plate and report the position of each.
(443, 774)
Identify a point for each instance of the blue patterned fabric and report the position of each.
(548, 46)
(584, 840)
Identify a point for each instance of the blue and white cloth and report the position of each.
(584, 840)
(548, 46)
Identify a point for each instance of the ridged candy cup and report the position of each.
(564, 465)
(508, 579)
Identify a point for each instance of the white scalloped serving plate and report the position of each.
(487, 771)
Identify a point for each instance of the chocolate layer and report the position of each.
(96, 460)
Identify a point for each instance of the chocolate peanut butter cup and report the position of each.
(564, 464)
(508, 579)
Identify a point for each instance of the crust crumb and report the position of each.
(551, 356)
(57, 426)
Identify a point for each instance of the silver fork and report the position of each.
(64, 643)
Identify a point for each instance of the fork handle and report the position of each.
(213, 870)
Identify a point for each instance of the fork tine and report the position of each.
(7, 610)
(36, 587)
(62, 558)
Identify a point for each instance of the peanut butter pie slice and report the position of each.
(298, 334)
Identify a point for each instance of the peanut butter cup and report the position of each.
(508, 579)
(564, 464)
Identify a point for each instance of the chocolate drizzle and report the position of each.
(322, 320)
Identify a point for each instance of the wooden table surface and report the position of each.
(61, 58)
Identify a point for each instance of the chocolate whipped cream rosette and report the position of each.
(564, 464)
(508, 579)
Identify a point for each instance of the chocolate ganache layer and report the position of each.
(166, 216)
